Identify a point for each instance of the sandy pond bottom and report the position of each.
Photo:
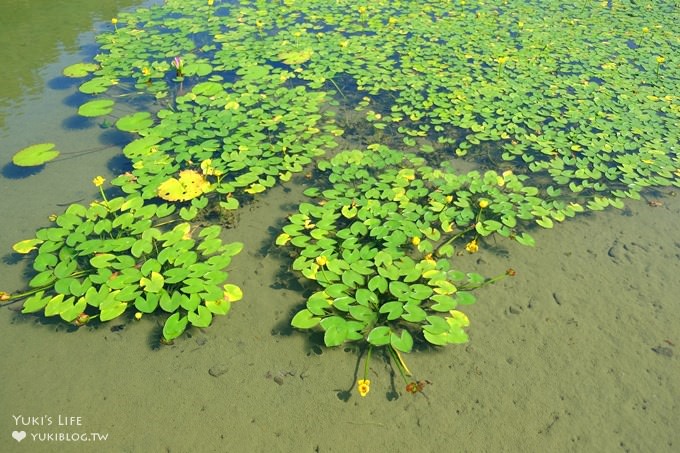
(579, 352)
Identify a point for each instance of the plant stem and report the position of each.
(403, 370)
(453, 238)
(338, 88)
(368, 359)
(42, 288)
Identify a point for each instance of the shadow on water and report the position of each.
(76, 99)
(11, 171)
(77, 122)
(119, 164)
(62, 83)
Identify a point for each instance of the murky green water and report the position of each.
(577, 353)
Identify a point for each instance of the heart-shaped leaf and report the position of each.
(35, 155)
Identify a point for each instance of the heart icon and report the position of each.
(19, 435)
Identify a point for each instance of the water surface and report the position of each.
(576, 353)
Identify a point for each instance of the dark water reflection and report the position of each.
(35, 33)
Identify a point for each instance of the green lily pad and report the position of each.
(134, 122)
(35, 155)
(27, 245)
(99, 107)
(80, 69)
(295, 57)
(174, 326)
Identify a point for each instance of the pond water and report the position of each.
(577, 352)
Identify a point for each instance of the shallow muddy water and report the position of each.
(578, 352)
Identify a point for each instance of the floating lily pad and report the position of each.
(95, 86)
(134, 122)
(99, 107)
(295, 57)
(80, 69)
(27, 245)
(35, 155)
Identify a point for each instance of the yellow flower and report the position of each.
(472, 246)
(98, 181)
(660, 59)
(483, 203)
(138, 315)
(114, 21)
(4, 296)
(52, 217)
(520, 24)
(415, 240)
(362, 9)
(502, 60)
(321, 260)
(645, 30)
(449, 198)
(146, 72)
(363, 386)
(392, 20)
(344, 43)
(210, 2)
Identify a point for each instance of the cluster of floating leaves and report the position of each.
(573, 107)
(115, 256)
(592, 108)
(250, 136)
(380, 243)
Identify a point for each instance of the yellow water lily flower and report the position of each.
(660, 59)
(472, 246)
(483, 203)
(98, 181)
(138, 315)
(190, 185)
(415, 240)
(321, 260)
(364, 386)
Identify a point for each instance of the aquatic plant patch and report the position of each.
(252, 137)
(120, 256)
(561, 107)
(381, 242)
(591, 110)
